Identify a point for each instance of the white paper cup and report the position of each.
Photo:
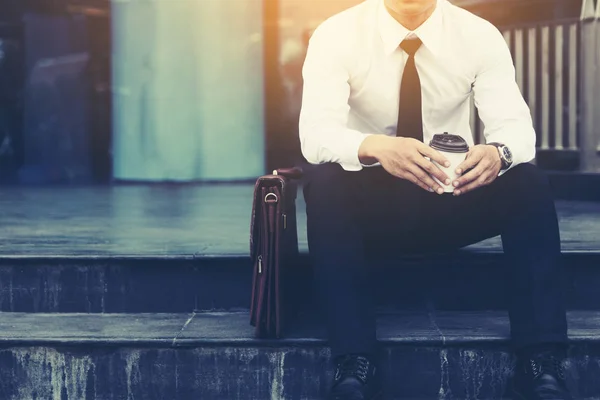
(454, 148)
(455, 159)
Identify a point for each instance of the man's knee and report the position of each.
(527, 178)
(526, 191)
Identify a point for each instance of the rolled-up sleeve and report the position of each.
(504, 112)
(324, 135)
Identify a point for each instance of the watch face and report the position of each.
(507, 154)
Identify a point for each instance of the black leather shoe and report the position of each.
(356, 378)
(541, 377)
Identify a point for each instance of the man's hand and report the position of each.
(482, 165)
(405, 158)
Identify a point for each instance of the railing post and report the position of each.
(590, 86)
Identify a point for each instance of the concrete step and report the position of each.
(435, 355)
(180, 248)
(466, 280)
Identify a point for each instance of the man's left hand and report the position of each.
(482, 164)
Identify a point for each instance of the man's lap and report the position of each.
(397, 215)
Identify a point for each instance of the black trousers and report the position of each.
(354, 213)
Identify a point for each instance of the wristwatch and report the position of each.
(505, 155)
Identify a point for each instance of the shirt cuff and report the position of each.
(377, 164)
(349, 160)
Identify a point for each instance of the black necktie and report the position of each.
(410, 119)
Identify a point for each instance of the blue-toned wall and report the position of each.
(56, 135)
(188, 90)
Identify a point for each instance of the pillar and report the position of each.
(188, 90)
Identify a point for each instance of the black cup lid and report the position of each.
(449, 143)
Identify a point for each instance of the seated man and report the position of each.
(380, 79)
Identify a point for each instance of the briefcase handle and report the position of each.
(291, 173)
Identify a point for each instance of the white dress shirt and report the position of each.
(352, 76)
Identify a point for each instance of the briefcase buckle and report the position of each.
(269, 195)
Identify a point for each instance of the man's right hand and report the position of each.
(405, 158)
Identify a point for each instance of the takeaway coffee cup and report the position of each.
(455, 149)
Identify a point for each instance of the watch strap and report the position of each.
(505, 163)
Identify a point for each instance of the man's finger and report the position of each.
(433, 170)
(434, 155)
(481, 181)
(471, 160)
(469, 177)
(413, 178)
(425, 178)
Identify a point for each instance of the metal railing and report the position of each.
(590, 87)
(546, 59)
(557, 68)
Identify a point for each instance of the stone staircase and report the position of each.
(130, 293)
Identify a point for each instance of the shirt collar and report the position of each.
(393, 33)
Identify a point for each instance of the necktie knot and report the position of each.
(410, 46)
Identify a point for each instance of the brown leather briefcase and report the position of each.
(273, 249)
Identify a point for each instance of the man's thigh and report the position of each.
(458, 221)
(398, 217)
(385, 207)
